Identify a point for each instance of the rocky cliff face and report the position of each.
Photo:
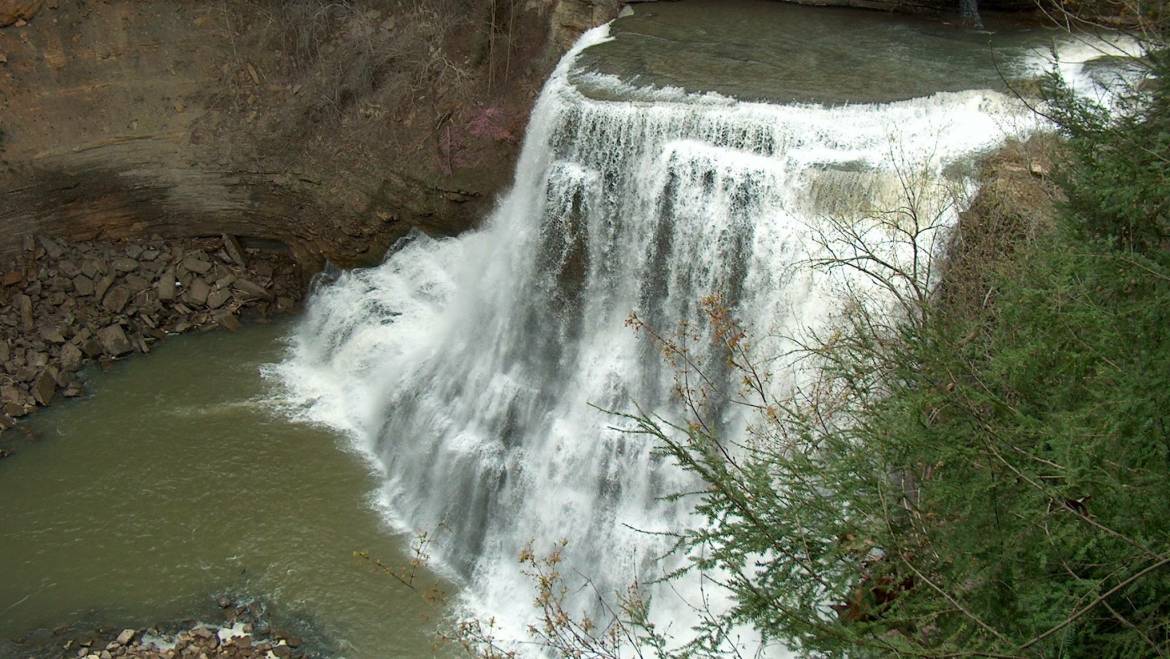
(331, 127)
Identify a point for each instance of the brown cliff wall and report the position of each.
(334, 127)
(331, 126)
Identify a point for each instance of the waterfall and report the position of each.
(468, 368)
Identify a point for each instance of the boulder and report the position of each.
(196, 262)
(198, 291)
(124, 264)
(44, 387)
(68, 268)
(35, 359)
(83, 285)
(251, 290)
(52, 247)
(125, 637)
(218, 297)
(116, 299)
(10, 393)
(70, 357)
(12, 278)
(166, 285)
(52, 335)
(113, 341)
(136, 283)
(24, 303)
(103, 285)
(91, 268)
(92, 347)
(228, 321)
(233, 249)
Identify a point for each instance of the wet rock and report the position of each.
(166, 285)
(228, 321)
(103, 285)
(52, 335)
(198, 291)
(251, 290)
(91, 347)
(24, 303)
(44, 387)
(116, 299)
(83, 285)
(68, 268)
(124, 264)
(196, 262)
(113, 341)
(70, 357)
(125, 637)
(10, 393)
(233, 249)
(91, 268)
(218, 297)
(52, 248)
(51, 307)
(36, 359)
(136, 283)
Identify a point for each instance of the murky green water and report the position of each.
(176, 482)
(777, 52)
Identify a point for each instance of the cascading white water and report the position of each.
(466, 368)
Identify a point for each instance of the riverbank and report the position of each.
(244, 630)
(65, 305)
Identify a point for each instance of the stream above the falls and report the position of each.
(757, 50)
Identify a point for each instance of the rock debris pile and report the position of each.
(63, 305)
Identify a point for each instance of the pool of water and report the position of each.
(761, 50)
(178, 480)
